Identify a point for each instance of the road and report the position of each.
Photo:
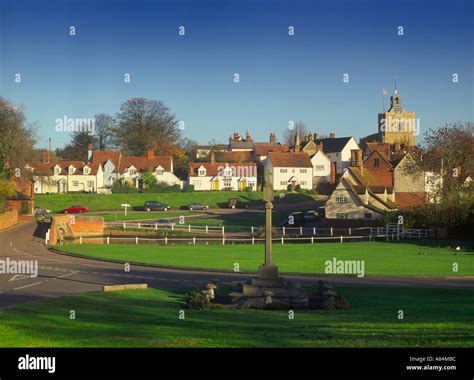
(61, 275)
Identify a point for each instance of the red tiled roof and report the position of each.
(237, 156)
(142, 163)
(102, 156)
(382, 148)
(263, 150)
(290, 160)
(48, 168)
(408, 200)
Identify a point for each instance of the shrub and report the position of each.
(249, 189)
(188, 188)
(123, 188)
(196, 300)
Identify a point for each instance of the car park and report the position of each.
(155, 206)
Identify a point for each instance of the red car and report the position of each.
(75, 209)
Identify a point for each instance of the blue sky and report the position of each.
(282, 77)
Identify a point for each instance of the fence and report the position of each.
(414, 234)
(389, 232)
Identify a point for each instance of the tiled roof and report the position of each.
(102, 156)
(290, 160)
(48, 168)
(333, 145)
(408, 200)
(237, 156)
(264, 149)
(143, 163)
(382, 148)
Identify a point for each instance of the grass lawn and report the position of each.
(149, 318)
(380, 258)
(106, 202)
(119, 215)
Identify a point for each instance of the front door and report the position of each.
(215, 185)
(243, 185)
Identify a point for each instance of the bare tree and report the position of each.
(104, 125)
(144, 123)
(290, 133)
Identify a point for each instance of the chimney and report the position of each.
(247, 136)
(316, 136)
(272, 138)
(332, 135)
(90, 149)
(149, 153)
(310, 136)
(297, 142)
(45, 156)
(356, 158)
(306, 138)
(212, 157)
(332, 175)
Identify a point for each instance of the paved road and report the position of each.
(63, 275)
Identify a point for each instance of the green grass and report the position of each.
(149, 318)
(397, 259)
(108, 202)
(119, 216)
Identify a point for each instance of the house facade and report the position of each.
(321, 168)
(288, 170)
(217, 176)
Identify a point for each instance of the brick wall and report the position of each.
(8, 219)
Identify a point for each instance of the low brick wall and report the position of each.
(74, 226)
(8, 219)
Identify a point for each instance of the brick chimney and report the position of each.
(212, 158)
(247, 136)
(150, 153)
(45, 157)
(332, 135)
(316, 136)
(297, 142)
(332, 175)
(310, 136)
(272, 138)
(356, 158)
(90, 149)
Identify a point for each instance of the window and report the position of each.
(90, 183)
(342, 215)
(376, 162)
(303, 183)
(319, 168)
(75, 183)
(341, 200)
(71, 171)
(159, 172)
(302, 170)
(57, 171)
(131, 171)
(283, 170)
(227, 183)
(282, 183)
(201, 172)
(86, 170)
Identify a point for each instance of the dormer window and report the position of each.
(159, 170)
(57, 170)
(86, 170)
(72, 169)
(201, 172)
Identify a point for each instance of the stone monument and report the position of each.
(268, 287)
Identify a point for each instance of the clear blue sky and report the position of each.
(282, 78)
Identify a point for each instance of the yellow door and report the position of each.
(215, 185)
(243, 185)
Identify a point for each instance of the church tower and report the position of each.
(397, 125)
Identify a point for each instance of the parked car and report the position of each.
(236, 203)
(39, 217)
(75, 209)
(196, 206)
(155, 206)
(162, 223)
(41, 210)
(310, 216)
(295, 219)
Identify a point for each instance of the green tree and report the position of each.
(148, 178)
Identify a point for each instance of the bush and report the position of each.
(188, 188)
(249, 189)
(162, 188)
(196, 300)
(123, 188)
(298, 188)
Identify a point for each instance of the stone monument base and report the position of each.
(270, 290)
